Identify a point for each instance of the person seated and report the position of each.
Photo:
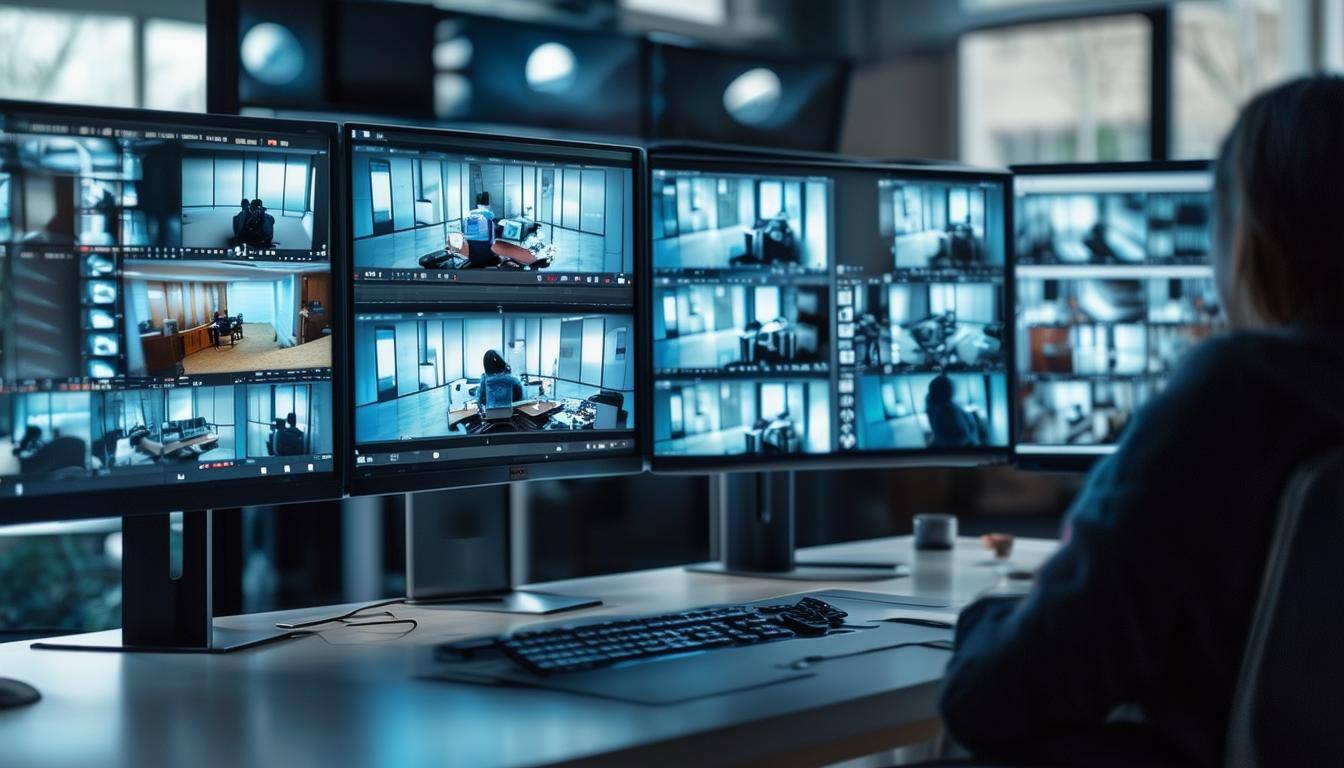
(496, 369)
(225, 325)
(1095, 242)
(219, 326)
(961, 244)
(239, 218)
(30, 443)
(289, 439)
(478, 229)
(271, 448)
(1142, 616)
(770, 241)
(952, 426)
(258, 228)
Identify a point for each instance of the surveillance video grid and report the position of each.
(1114, 287)
(165, 304)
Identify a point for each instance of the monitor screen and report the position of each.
(810, 313)
(164, 288)
(495, 308)
(1114, 284)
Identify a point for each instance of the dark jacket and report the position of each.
(289, 441)
(514, 381)
(953, 427)
(1150, 598)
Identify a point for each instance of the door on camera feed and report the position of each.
(380, 179)
(385, 361)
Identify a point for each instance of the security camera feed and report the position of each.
(220, 317)
(1114, 222)
(782, 349)
(495, 305)
(132, 437)
(475, 374)
(735, 418)
(1114, 287)
(926, 327)
(154, 279)
(931, 225)
(922, 346)
(722, 222)
(701, 328)
(941, 411)
(418, 207)
(249, 199)
(1085, 415)
(162, 190)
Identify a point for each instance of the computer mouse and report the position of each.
(833, 616)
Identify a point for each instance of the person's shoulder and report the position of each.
(1251, 357)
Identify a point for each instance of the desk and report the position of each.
(315, 702)
(163, 352)
(459, 415)
(513, 252)
(540, 409)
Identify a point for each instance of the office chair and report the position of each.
(617, 401)
(1291, 688)
(61, 455)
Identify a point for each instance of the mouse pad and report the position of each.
(677, 679)
(670, 680)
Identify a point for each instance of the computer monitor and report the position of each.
(1114, 283)
(151, 328)
(811, 314)
(497, 308)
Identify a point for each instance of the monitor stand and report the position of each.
(167, 602)
(458, 555)
(756, 534)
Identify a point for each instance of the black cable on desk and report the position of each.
(809, 661)
(343, 617)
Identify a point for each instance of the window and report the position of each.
(1067, 91)
(55, 56)
(174, 56)
(91, 58)
(1225, 52)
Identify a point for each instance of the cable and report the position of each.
(808, 661)
(343, 617)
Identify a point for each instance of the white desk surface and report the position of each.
(349, 698)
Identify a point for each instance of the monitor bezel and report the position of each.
(697, 157)
(1047, 461)
(422, 477)
(233, 492)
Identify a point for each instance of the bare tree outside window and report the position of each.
(1070, 91)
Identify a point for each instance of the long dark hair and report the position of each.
(494, 363)
(1278, 205)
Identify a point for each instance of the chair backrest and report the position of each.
(1290, 695)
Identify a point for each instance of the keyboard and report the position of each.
(549, 651)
